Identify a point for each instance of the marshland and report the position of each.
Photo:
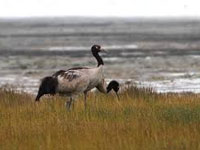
(156, 62)
(162, 54)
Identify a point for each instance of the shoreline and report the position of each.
(30, 85)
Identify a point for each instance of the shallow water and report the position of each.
(161, 54)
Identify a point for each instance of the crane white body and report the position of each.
(73, 82)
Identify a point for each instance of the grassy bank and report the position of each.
(141, 119)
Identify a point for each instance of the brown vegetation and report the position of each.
(141, 119)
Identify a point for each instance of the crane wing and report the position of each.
(68, 75)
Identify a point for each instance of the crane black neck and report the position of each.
(98, 58)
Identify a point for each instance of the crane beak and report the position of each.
(104, 51)
(117, 96)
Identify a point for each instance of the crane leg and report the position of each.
(85, 100)
(68, 103)
(73, 104)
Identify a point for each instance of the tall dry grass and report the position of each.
(141, 119)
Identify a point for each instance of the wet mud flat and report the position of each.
(163, 54)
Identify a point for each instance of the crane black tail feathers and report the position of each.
(47, 86)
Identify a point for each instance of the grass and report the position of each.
(141, 120)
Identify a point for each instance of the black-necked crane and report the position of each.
(78, 80)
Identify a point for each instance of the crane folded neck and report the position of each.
(98, 58)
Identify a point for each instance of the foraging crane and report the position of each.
(78, 80)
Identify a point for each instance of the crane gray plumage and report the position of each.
(78, 80)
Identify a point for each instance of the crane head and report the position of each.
(113, 85)
(97, 48)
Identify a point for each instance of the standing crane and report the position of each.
(78, 80)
